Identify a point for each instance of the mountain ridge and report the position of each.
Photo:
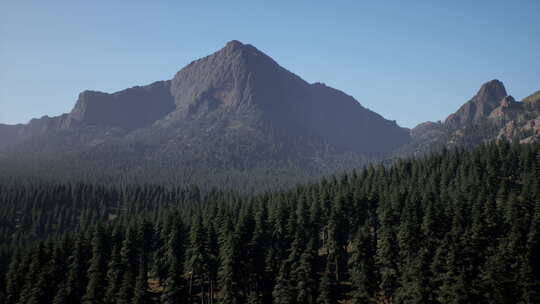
(490, 115)
(236, 116)
(233, 111)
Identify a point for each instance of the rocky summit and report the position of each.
(490, 115)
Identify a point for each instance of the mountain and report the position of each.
(479, 106)
(491, 114)
(232, 117)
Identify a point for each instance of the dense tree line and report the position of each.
(29, 211)
(455, 227)
(245, 159)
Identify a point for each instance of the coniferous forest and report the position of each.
(459, 226)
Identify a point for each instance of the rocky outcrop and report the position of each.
(525, 131)
(489, 115)
(240, 79)
(128, 109)
(508, 109)
(479, 106)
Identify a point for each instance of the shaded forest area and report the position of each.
(459, 226)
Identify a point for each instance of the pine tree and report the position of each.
(362, 267)
(283, 293)
(327, 286)
(97, 271)
(130, 257)
(228, 272)
(77, 279)
(141, 294)
(197, 258)
(34, 282)
(15, 277)
(530, 270)
(174, 289)
(62, 295)
(411, 284)
(160, 258)
(305, 276)
(115, 273)
(387, 252)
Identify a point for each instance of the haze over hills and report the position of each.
(230, 114)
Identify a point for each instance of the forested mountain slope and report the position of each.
(234, 119)
(454, 227)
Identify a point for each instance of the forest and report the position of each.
(457, 226)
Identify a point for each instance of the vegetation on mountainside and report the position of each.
(455, 227)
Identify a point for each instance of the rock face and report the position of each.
(508, 109)
(238, 100)
(480, 106)
(489, 115)
(239, 79)
(9, 134)
(129, 109)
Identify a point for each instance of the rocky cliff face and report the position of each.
(480, 105)
(489, 115)
(241, 79)
(9, 134)
(129, 109)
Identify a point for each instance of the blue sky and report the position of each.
(408, 62)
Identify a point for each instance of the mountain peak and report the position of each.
(235, 47)
(491, 90)
(240, 89)
(240, 81)
(227, 78)
(234, 44)
(487, 98)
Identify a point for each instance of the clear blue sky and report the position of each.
(408, 62)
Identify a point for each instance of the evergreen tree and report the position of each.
(77, 279)
(305, 276)
(115, 274)
(327, 286)
(174, 289)
(15, 277)
(130, 259)
(228, 273)
(34, 284)
(97, 271)
(141, 294)
(197, 259)
(283, 293)
(362, 267)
